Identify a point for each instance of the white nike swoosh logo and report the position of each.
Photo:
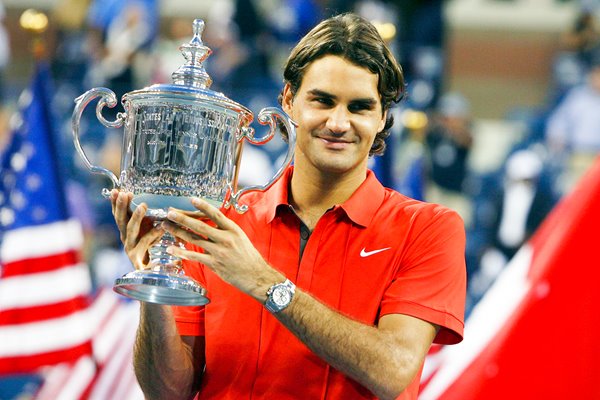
(364, 253)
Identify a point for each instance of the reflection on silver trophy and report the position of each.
(181, 140)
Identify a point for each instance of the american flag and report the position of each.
(44, 285)
(51, 324)
(107, 373)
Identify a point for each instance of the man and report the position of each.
(330, 286)
(449, 141)
(572, 131)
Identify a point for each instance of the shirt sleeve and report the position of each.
(430, 283)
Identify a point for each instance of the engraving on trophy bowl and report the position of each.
(179, 151)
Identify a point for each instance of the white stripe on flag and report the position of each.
(81, 376)
(55, 378)
(115, 377)
(45, 287)
(40, 241)
(121, 323)
(485, 321)
(45, 336)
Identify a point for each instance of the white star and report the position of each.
(25, 98)
(28, 150)
(39, 213)
(18, 162)
(33, 182)
(7, 216)
(16, 122)
(17, 200)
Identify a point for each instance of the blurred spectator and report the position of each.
(583, 39)
(4, 59)
(69, 58)
(167, 57)
(410, 157)
(421, 28)
(4, 51)
(292, 19)
(523, 202)
(573, 129)
(449, 140)
(578, 47)
(237, 33)
(287, 21)
(122, 32)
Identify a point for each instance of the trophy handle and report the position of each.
(266, 116)
(107, 98)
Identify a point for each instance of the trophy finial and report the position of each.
(193, 73)
(198, 29)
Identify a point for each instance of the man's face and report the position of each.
(338, 111)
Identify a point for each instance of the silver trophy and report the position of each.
(181, 140)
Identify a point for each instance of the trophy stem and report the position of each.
(164, 280)
(160, 260)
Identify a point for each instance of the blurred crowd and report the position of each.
(126, 45)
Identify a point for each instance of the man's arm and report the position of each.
(384, 358)
(167, 366)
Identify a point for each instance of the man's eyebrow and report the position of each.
(366, 101)
(320, 93)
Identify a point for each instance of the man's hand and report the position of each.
(137, 234)
(227, 250)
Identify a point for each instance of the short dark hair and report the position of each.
(356, 40)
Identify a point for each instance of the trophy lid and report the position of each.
(193, 73)
(191, 81)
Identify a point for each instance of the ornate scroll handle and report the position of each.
(107, 98)
(266, 116)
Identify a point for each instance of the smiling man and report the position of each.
(330, 286)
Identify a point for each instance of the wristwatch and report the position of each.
(279, 296)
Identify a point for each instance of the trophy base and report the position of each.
(161, 288)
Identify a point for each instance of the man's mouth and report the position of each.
(334, 143)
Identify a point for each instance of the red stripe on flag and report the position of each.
(44, 312)
(26, 364)
(40, 264)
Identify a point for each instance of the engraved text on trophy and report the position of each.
(181, 150)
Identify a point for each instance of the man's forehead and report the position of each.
(332, 74)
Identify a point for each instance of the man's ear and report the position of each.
(288, 99)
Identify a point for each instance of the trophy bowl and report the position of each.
(180, 140)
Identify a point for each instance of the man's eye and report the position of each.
(358, 107)
(323, 100)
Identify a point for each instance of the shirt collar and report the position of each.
(278, 194)
(365, 201)
(360, 207)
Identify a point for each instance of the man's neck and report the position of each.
(312, 193)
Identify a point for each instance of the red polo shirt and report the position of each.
(378, 253)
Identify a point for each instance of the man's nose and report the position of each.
(338, 120)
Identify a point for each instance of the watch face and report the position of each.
(281, 296)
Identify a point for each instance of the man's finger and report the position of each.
(133, 226)
(185, 235)
(150, 238)
(198, 226)
(213, 213)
